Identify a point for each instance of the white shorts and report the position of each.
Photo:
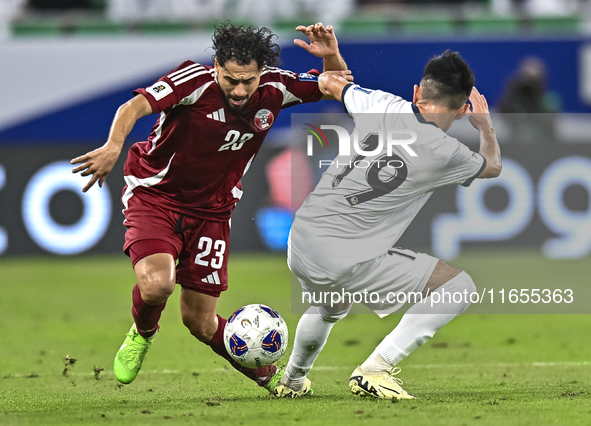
(383, 284)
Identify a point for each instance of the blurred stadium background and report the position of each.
(66, 65)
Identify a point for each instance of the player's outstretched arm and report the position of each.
(100, 162)
(332, 85)
(489, 146)
(323, 44)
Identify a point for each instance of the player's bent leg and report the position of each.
(156, 281)
(441, 275)
(198, 311)
(155, 275)
(311, 336)
(417, 326)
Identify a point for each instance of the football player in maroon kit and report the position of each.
(183, 182)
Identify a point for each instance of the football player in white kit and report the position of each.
(343, 237)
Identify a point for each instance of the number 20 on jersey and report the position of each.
(234, 141)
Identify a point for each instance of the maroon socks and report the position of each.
(146, 316)
(146, 320)
(260, 375)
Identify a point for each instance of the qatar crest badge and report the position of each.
(264, 119)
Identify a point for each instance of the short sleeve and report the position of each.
(178, 84)
(298, 88)
(357, 99)
(464, 165)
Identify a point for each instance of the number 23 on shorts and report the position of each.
(206, 245)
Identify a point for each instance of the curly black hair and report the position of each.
(447, 80)
(245, 44)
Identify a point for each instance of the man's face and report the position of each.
(238, 82)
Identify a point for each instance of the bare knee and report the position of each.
(155, 286)
(156, 278)
(440, 275)
(202, 328)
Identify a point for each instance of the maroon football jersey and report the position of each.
(200, 148)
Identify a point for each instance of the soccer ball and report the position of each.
(255, 336)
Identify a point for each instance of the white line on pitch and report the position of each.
(487, 365)
(344, 367)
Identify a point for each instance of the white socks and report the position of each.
(417, 326)
(311, 335)
(421, 322)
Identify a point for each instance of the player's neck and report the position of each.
(436, 114)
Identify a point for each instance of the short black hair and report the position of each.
(447, 80)
(245, 44)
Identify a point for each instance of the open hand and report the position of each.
(97, 163)
(323, 41)
(480, 115)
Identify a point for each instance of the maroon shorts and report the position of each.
(200, 246)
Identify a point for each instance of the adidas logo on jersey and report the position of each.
(218, 115)
(213, 278)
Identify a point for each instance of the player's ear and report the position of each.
(416, 97)
(463, 111)
(216, 63)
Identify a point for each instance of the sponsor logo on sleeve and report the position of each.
(159, 90)
(308, 77)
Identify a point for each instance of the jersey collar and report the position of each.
(420, 116)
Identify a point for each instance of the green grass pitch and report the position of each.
(478, 370)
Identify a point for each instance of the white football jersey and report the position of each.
(363, 203)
